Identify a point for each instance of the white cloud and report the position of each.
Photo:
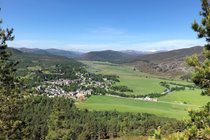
(145, 46)
(168, 44)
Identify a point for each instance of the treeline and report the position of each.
(121, 94)
(120, 91)
(58, 118)
(101, 78)
(121, 88)
(176, 86)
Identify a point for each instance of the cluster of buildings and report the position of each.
(56, 91)
(55, 88)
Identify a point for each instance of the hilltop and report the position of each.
(107, 56)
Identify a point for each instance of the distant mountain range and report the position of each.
(107, 56)
(118, 56)
(137, 53)
(114, 56)
(171, 63)
(57, 52)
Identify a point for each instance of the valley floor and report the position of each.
(172, 105)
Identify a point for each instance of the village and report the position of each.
(84, 87)
(55, 88)
(81, 88)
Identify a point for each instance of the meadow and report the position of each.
(173, 105)
(102, 103)
(192, 97)
(140, 83)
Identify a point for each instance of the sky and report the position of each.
(94, 25)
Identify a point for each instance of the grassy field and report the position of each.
(173, 105)
(141, 83)
(189, 96)
(99, 103)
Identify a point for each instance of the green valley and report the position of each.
(174, 105)
(100, 70)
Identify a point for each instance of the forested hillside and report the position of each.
(107, 56)
(58, 118)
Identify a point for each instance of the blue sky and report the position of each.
(89, 25)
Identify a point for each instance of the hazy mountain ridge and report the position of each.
(29, 58)
(136, 53)
(57, 52)
(168, 63)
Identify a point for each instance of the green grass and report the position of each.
(141, 83)
(109, 68)
(189, 96)
(99, 103)
(171, 105)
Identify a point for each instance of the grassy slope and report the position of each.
(130, 105)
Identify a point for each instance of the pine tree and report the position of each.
(10, 93)
(201, 75)
(199, 125)
(57, 121)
